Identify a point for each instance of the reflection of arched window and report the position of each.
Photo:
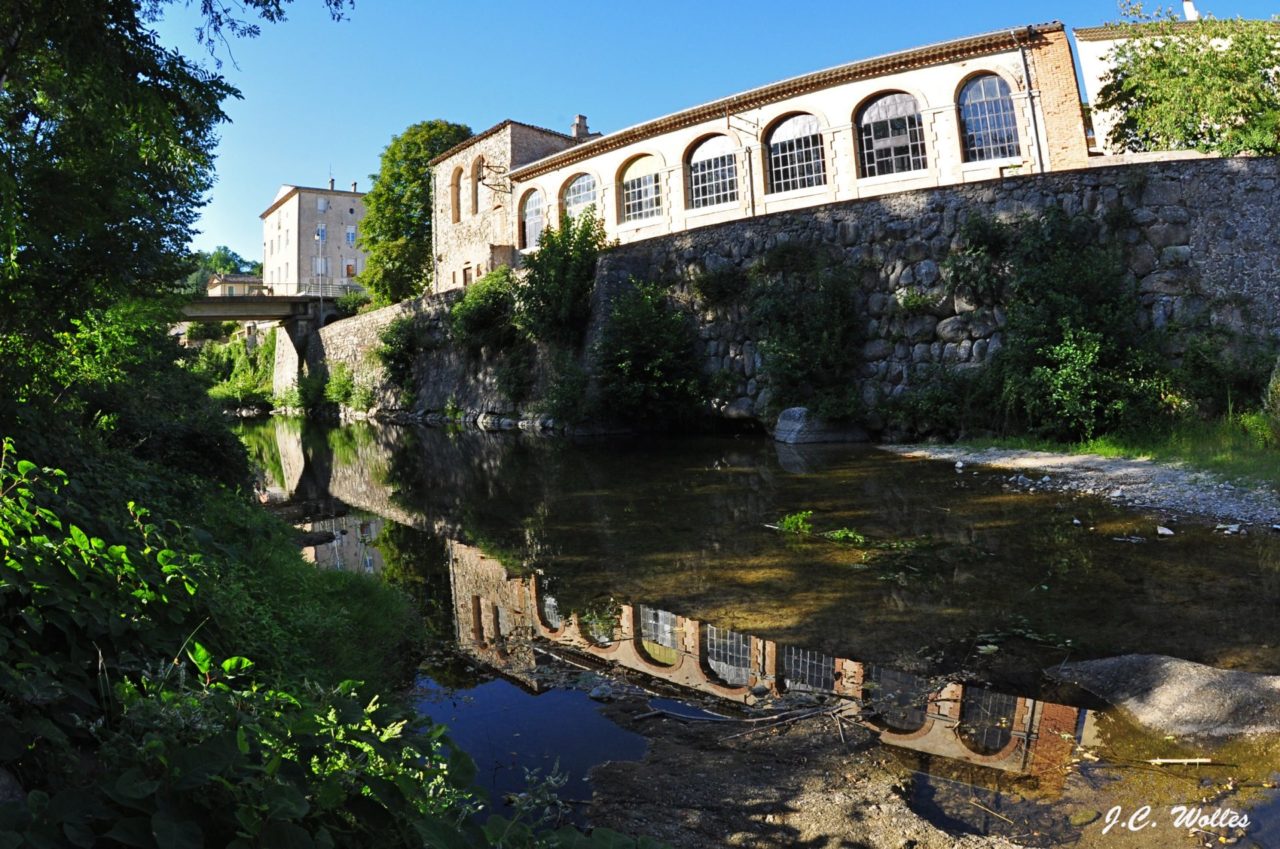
(641, 191)
(988, 124)
(728, 655)
(808, 670)
(892, 136)
(578, 195)
(986, 720)
(455, 195)
(658, 635)
(899, 700)
(796, 159)
(713, 173)
(532, 221)
(477, 176)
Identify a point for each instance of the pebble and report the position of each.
(1161, 530)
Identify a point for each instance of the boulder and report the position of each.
(797, 426)
(1179, 697)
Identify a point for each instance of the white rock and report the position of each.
(1161, 530)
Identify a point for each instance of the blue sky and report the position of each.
(321, 97)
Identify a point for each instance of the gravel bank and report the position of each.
(1139, 484)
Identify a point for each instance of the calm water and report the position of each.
(659, 557)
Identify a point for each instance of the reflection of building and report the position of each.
(498, 617)
(309, 241)
(351, 548)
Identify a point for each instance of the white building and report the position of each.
(309, 241)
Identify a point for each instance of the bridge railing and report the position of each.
(326, 287)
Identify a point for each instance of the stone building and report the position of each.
(962, 111)
(309, 241)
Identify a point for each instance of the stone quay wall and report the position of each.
(1199, 236)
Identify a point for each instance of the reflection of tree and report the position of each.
(259, 438)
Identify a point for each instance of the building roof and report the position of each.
(1114, 32)
(283, 195)
(216, 279)
(946, 51)
(495, 129)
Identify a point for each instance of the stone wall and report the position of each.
(353, 342)
(1199, 238)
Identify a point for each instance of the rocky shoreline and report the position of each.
(1169, 490)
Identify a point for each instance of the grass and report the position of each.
(1241, 446)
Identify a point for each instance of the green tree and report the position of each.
(1209, 85)
(396, 230)
(222, 260)
(106, 142)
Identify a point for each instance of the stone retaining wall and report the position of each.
(1199, 234)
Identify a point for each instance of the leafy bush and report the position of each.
(341, 384)
(240, 376)
(722, 286)
(566, 395)
(351, 303)
(485, 316)
(403, 341)
(1271, 399)
(362, 397)
(646, 361)
(805, 311)
(553, 303)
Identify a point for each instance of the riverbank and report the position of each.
(1169, 490)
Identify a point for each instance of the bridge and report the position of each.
(260, 308)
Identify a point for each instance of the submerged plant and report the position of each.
(796, 523)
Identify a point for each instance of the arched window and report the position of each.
(579, 193)
(988, 124)
(986, 720)
(641, 189)
(477, 174)
(892, 136)
(796, 158)
(713, 173)
(455, 195)
(532, 221)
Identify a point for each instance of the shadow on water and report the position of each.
(654, 556)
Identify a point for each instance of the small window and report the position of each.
(455, 196)
(988, 123)
(892, 136)
(796, 156)
(477, 176)
(713, 173)
(579, 194)
(466, 277)
(351, 234)
(286, 238)
(320, 265)
(350, 270)
(532, 220)
(641, 189)
(231, 290)
(322, 232)
(322, 204)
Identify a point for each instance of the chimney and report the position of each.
(353, 185)
(579, 130)
(330, 184)
(1189, 10)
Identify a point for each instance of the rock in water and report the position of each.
(797, 426)
(1179, 697)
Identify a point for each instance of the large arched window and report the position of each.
(641, 189)
(988, 123)
(986, 720)
(532, 220)
(477, 177)
(713, 173)
(579, 193)
(796, 158)
(892, 136)
(455, 195)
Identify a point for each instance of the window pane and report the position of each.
(579, 194)
(892, 136)
(713, 181)
(796, 162)
(988, 123)
(531, 220)
(641, 198)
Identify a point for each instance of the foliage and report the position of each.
(239, 375)
(565, 399)
(805, 310)
(797, 523)
(1212, 85)
(396, 229)
(722, 286)
(485, 315)
(1271, 400)
(351, 303)
(222, 260)
(362, 396)
(553, 303)
(848, 535)
(1074, 362)
(204, 330)
(1219, 371)
(341, 384)
(403, 340)
(645, 359)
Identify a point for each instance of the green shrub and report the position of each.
(485, 316)
(797, 523)
(805, 311)
(566, 396)
(206, 330)
(403, 342)
(553, 302)
(645, 356)
(722, 286)
(311, 390)
(351, 303)
(341, 384)
(1271, 399)
(362, 397)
